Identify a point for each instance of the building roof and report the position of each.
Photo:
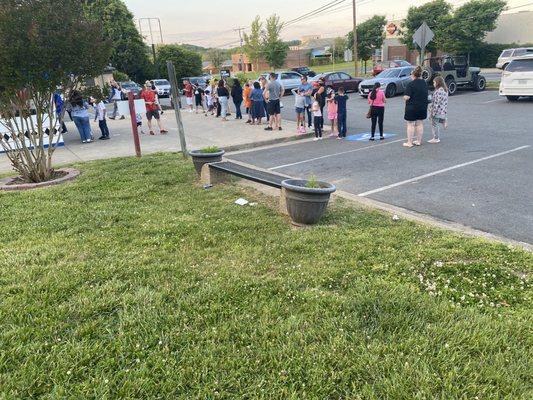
(313, 43)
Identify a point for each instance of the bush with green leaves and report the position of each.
(42, 49)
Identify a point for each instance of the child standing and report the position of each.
(100, 114)
(377, 101)
(439, 109)
(332, 111)
(139, 120)
(209, 100)
(299, 105)
(341, 98)
(317, 120)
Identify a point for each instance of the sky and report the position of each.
(211, 23)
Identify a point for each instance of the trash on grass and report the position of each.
(395, 218)
(241, 202)
(208, 186)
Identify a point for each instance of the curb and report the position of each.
(270, 142)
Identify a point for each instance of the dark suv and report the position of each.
(305, 71)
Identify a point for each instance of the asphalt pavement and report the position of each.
(480, 175)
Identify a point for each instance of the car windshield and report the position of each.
(389, 73)
(506, 53)
(520, 66)
(161, 82)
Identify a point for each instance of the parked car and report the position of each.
(384, 65)
(130, 86)
(304, 71)
(289, 79)
(393, 81)
(198, 81)
(509, 55)
(517, 78)
(456, 72)
(162, 86)
(337, 79)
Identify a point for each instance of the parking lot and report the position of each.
(480, 175)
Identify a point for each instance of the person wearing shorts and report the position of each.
(275, 92)
(416, 108)
(152, 107)
(188, 90)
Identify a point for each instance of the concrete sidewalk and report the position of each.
(200, 131)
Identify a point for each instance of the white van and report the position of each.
(509, 55)
(517, 78)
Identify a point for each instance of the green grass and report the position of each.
(135, 282)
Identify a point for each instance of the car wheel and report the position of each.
(480, 83)
(390, 91)
(427, 74)
(513, 98)
(452, 86)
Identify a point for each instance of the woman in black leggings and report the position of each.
(377, 101)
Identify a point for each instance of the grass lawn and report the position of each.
(135, 282)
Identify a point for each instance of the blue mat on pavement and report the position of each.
(362, 137)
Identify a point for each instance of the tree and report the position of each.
(370, 36)
(186, 62)
(217, 57)
(252, 42)
(273, 48)
(42, 49)
(129, 52)
(339, 45)
(436, 14)
(465, 30)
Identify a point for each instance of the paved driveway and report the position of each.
(480, 175)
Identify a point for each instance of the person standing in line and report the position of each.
(246, 93)
(188, 90)
(237, 96)
(99, 115)
(439, 109)
(223, 98)
(209, 100)
(198, 99)
(317, 116)
(332, 112)
(115, 95)
(320, 96)
(152, 108)
(416, 108)
(377, 101)
(341, 98)
(80, 115)
(263, 83)
(299, 106)
(258, 109)
(59, 105)
(307, 89)
(275, 92)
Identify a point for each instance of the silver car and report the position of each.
(509, 55)
(162, 86)
(393, 81)
(289, 79)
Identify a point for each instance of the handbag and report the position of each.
(369, 113)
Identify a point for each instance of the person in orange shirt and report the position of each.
(246, 93)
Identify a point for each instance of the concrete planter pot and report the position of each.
(200, 158)
(306, 205)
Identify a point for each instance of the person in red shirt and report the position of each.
(152, 107)
(188, 90)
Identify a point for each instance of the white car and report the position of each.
(517, 79)
(162, 86)
(288, 79)
(509, 55)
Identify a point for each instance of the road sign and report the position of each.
(423, 36)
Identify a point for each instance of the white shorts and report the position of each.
(189, 101)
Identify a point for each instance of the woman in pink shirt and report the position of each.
(377, 102)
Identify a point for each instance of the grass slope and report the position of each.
(134, 282)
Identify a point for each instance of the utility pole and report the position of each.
(175, 100)
(241, 61)
(355, 55)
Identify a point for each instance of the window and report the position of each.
(507, 53)
(522, 52)
(292, 75)
(520, 66)
(390, 73)
(333, 77)
(406, 72)
(342, 75)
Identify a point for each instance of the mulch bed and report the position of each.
(59, 176)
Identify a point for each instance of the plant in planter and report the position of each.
(42, 51)
(206, 155)
(306, 199)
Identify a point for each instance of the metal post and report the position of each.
(160, 30)
(175, 101)
(355, 55)
(133, 117)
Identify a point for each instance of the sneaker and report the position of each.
(268, 128)
(417, 143)
(407, 145)
(163, 131)
(84, 141)
(382, 138)
(339, 137)
(152, 133)
(321, 137)
(372, 139)
(434, 141)
(89, 140)
(101, 138)
(315, 139)
(280, 129)
(123, 117)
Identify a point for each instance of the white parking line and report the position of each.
(492, 101)
(441, 171)
(336, 154)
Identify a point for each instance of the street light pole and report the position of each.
(355, 55)
(241, 61)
